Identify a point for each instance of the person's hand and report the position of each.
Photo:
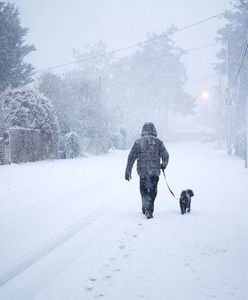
(127, 176)
(162, 166)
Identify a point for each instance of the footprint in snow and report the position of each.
(208, 288)
(89, 288)
(186, 265)
(112, 258)
(210, 296)
(108, 277)
(99, 296)
(122, 247)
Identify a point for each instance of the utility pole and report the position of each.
(228, 100)
(219, 114)
(228, 103)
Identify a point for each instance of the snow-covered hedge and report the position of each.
(27, 108)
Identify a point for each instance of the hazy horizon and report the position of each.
(56, 27)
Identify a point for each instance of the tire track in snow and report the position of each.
(47, 247)
(34, 256)
(44, 188)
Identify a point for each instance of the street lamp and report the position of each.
(205, 95)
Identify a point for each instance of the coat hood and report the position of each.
(149, 129)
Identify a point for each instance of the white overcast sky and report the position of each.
(57, 26)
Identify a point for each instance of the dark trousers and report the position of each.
(148, 190)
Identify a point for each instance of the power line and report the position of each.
(241, 57)
(183, 52)
(139, 43)
(244, 50)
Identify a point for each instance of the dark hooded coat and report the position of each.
(150, 153)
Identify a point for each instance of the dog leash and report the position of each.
(169, 186)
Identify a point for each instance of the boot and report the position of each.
(148, 215)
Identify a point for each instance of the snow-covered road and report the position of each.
(73, 230)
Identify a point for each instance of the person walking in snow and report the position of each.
(151, 156)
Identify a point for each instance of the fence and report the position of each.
(25, 145)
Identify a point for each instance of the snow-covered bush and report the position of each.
(72, 147)
(27, 108)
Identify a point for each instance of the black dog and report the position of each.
(185, 201)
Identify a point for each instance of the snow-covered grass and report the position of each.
(73, 229)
